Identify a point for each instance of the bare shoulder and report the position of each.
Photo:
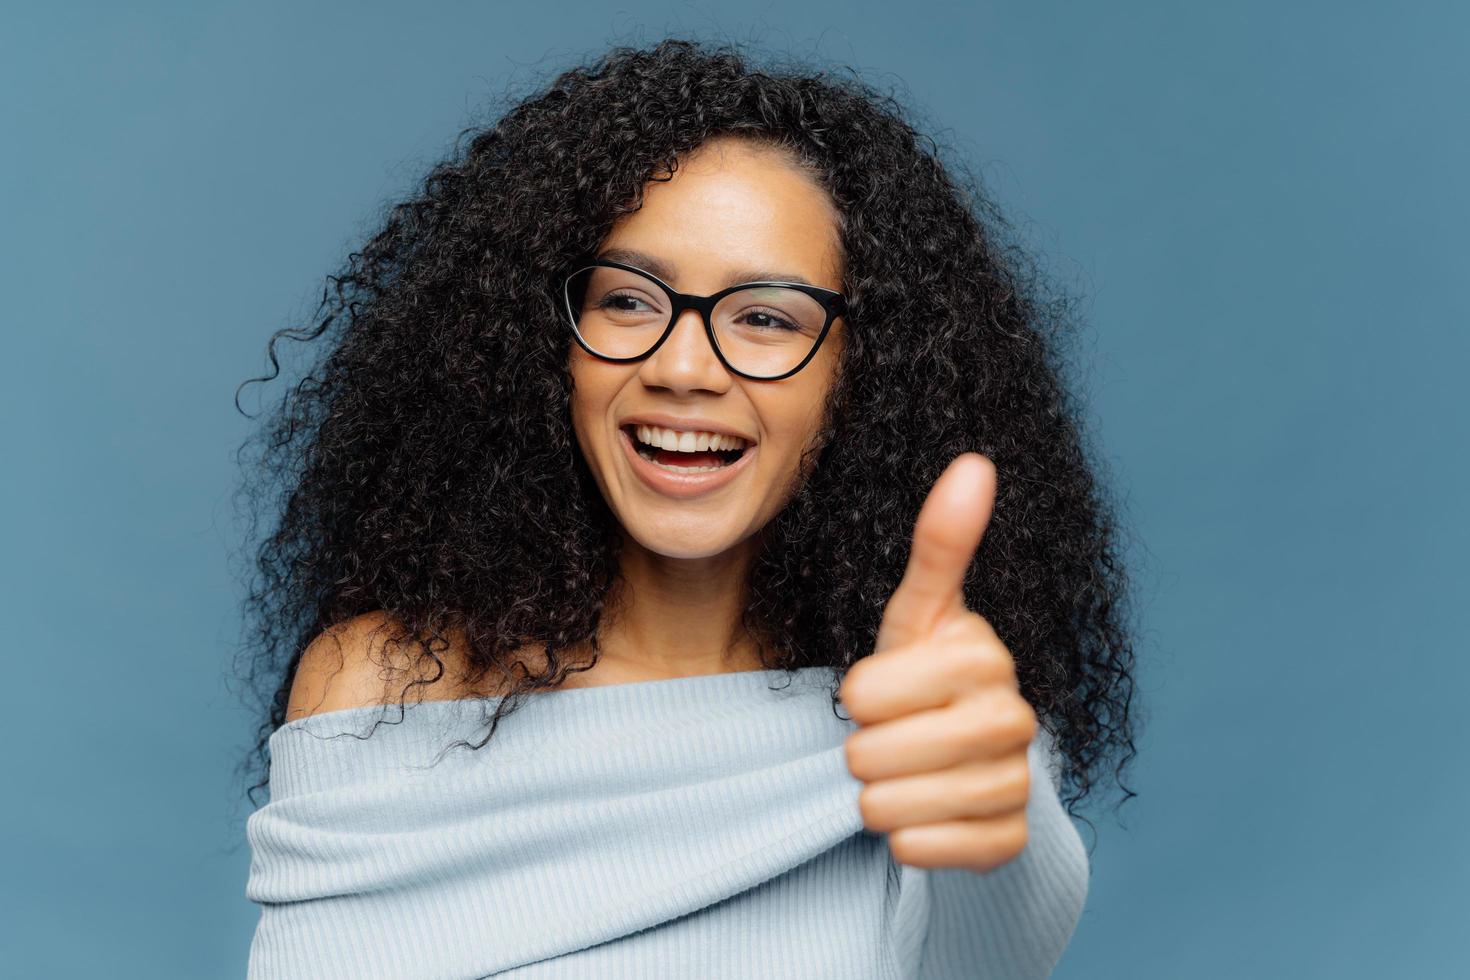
(367, 660)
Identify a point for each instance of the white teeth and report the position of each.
(687, 442)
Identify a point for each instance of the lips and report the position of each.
(669, 483)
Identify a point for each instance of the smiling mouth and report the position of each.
(681, 462)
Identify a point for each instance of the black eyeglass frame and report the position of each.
(832, 302)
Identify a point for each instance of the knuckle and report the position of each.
(853, 690)
(976, 727)
(972, 623)
(902, 850)
(1007, 840)
(1022, 719)
(870, 809)
(1011, 715)
(1018, 783)
(860, 761)
(976, 794)
(975, 631)
(1017, 835)
(986, 661)
(980, 724)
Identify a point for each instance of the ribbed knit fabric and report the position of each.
(703, 827)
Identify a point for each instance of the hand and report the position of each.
(945, 728)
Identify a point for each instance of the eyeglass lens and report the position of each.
(762, 330)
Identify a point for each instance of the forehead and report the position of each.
(732, 208)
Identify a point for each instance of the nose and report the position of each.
(685, 361)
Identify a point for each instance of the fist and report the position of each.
(943, 727)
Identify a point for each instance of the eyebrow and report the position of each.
(666, 272)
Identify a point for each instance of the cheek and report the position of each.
(815, 404)
(591, 397)
(794, 419)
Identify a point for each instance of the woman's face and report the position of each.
(730, 209)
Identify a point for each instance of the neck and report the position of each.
(678, 617)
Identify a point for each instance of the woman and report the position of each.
(620, 479)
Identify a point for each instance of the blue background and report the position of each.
(1264, 206)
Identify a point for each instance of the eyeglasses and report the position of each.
(764, 331)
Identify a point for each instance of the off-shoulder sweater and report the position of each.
(704, 827)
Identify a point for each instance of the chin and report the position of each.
(690, 538)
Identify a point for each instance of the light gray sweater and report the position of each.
(703, 827)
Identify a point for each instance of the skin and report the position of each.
(730, 206)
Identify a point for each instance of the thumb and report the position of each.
(947, 533)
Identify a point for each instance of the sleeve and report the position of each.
(1014, 922)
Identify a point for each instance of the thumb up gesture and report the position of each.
(944, 728)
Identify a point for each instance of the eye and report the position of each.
(615, 301)
(779, 322)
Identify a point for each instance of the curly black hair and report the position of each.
(426, 466)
